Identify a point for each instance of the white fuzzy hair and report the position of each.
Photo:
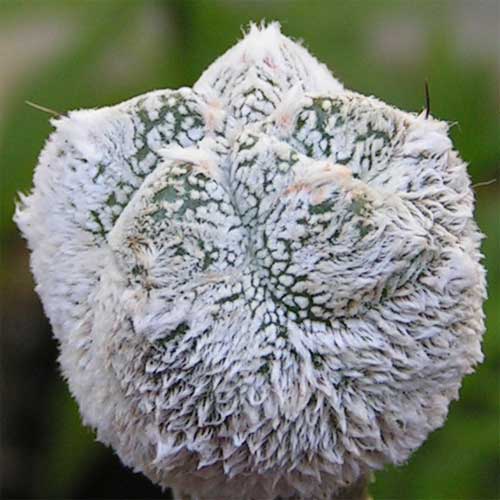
(266, 285)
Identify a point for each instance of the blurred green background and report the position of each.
(76, 54)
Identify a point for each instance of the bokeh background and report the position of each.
(76, 54)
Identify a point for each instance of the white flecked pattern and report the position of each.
(266, 285)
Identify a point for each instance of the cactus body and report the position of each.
(265, 285)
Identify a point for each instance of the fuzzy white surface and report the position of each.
(267, 285)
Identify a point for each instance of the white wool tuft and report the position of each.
(264, 286)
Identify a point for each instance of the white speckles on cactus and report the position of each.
(266, 285)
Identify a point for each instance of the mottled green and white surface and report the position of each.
(266, 284)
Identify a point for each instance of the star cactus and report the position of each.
(266, 285)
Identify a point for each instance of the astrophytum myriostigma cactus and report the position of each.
(264, 285)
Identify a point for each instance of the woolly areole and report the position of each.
(264, 285)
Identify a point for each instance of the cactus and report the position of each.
(266, 285)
